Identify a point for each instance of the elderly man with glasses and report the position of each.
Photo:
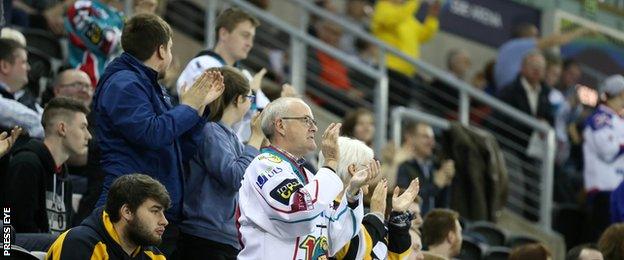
(288, 212)
(74, 84)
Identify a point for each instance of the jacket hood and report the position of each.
(99, 221)
(128, 62)
(38, 148)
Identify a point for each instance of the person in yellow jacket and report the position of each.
(395, 23)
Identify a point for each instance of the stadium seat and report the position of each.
(519, 240)
(497, 253)
(471, 250)
(44, 41)
(493, 235)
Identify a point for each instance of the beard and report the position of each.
(140, 234)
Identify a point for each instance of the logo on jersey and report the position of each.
(315, 247)
(285, 190)
(264, 176)
(270, 157)
(602, 120)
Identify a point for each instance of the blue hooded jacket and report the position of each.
(139, 131)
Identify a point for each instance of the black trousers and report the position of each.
(192, 247)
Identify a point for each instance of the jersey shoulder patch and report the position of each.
(600, 120)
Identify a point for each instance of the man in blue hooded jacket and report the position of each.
(137, 127)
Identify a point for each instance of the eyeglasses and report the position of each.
(78, 85)
(252, 98)
(306, 119)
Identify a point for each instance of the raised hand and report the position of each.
(402, 203)
(288, 91)
(257, 136)
(364, 176)
(256, 82)
(378, 200)
(215, 88)
(208, 87)
(6, 141)
(329, 145)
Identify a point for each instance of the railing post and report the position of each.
(464, 108)
(211, 16)
(298, 54)
(128, 8)
(397, 116)
(381, 105)
(546, 181)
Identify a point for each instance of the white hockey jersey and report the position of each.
(210, 59)
(287, 212)
(603, 148)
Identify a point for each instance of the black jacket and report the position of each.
(432, 196)
(516, 96)
(96, 237)
(38, 193)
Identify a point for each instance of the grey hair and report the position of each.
(531, 54)
(276, 109)
(351, 151)
(452, 55)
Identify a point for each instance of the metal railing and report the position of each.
(300, 39)
(517, 193)
(298, 72)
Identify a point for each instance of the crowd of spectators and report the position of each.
(73, 151)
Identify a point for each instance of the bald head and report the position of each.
(289, 124)
(277, 109)
(534, 67)
(458, 62)
(74, 84)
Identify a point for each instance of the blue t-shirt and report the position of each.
(509, 60)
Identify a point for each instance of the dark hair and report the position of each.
(437, 224)
(522, 30)
(534, 251)
(134, 190)
(8, 48)
(230, 18)
(575, 252)
(350, 120)
(409, 129)
(235, 85)
(61, 107)
(568, 63)
(611, 242)
(143, 34)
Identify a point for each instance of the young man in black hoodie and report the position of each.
(37, 189)
(128, 227)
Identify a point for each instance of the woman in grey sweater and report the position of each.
(211, 187)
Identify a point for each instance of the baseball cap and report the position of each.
(613, 85)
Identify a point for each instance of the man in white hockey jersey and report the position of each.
(603, 148)
(603, 151)
(235, 31)
(286, 211)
